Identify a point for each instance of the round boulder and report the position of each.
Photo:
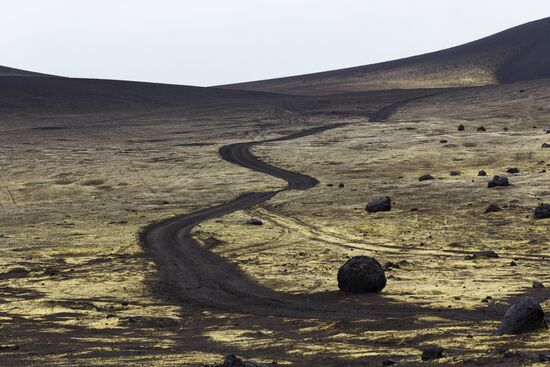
(498, 181)
(361, 274)
(542, 211)
(380, 204)
(522, 317)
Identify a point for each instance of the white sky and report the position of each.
(209, 42)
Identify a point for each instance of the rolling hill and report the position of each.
(517, 54)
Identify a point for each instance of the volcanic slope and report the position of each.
(517, 54)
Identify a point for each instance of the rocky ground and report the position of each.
(79, 290)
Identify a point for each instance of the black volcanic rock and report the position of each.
(542, 211)
(254, 222)
(482, 255)
(425, 178)
(461, 127)
(430, 353)
(498, 181)
(493, 208)
(524, 316)
(455, 173)
(481, 128)
(361, 274)
(482, 173)
(380, 204)
(513, 170)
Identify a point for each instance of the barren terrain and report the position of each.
(125, 206)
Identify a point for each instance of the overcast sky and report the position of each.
(210, 42)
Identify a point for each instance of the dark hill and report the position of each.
(517, 54)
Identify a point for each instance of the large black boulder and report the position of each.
(361, 274)
(542, 211)
(524, 316)
(430, 353)
(380, 204)
(498, 181)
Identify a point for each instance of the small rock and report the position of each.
(493, 208)
(379, 204)
(254, 222)
(461, 127)
(513, 170)
(330, 185)
(425, 178)
(389, 266)
(481, 128)
(505, 129)
(482, 173)
(513, 263)
(430, 353)
(233, 361)
(542, 211)
(537, 285)
(361, 274)
(521, 90)
(455, 173)
(341, 185)
(388, 362)
(544, 357)
(443, 141)
(482, 255)
(524, 316)
(498, 181)
(545, 145)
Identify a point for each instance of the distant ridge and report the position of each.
(6, 71)
(517, 54)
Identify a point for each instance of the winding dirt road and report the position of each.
(193, 274)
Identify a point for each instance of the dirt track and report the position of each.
(191, 273)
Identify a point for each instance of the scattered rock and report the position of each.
(254, 222)
(545, 145)
(542, 211)
(482, 173)
(513, 263)
(498, 181)
(455, 173)
(461, 127)
(443, 141)
(513, 170)
(233, 361)
(425, 178)
(521, 90)
(481, 128)
(493, 208)
(524, 316)
(341, 185)
(482, 255)
(505, 129)
(547, 131)
(544, 357)
(379, 204)
(537, 285)
(388, 362)
(361, 274)
(430, 353)
(389, 266)
(330, 185)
